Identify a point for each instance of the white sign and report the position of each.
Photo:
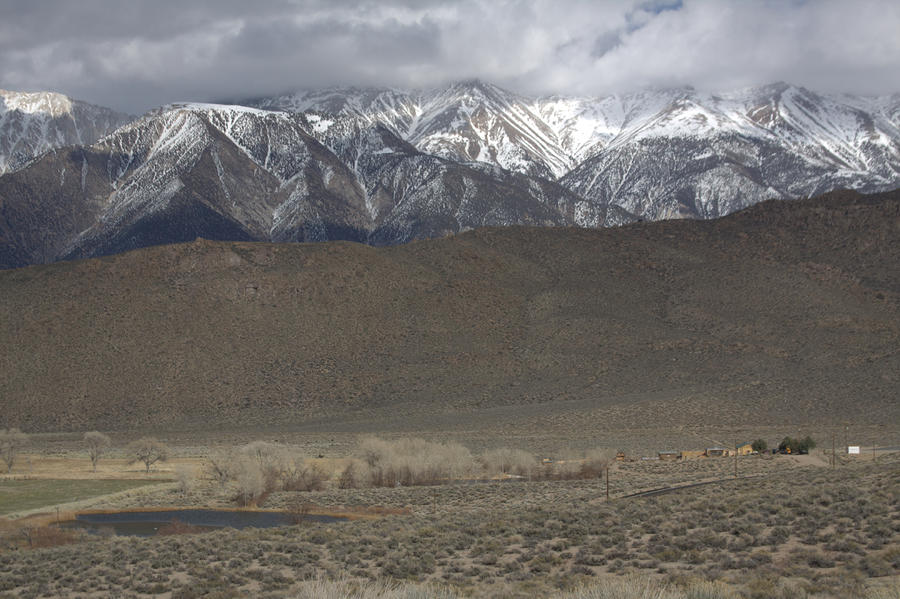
(853, 449)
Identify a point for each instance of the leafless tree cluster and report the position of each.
(508, 461)
(260, 467)
(407, 462)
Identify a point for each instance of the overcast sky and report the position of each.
(136, 54)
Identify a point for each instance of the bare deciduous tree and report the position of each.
(250, 482)
(373, 450)
(302, 475)
(11, 442)
(148, 451)
(222, 465)
(271, 459)
(349, 479)
(97, 444)
(187, 479)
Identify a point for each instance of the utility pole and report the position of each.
(607, 483)
(735, 459)
(833, 454)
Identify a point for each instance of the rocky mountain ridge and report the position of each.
(388, 166)
(656, 154)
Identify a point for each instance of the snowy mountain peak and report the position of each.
(49, 103)
(470, 121)
(32, 123)
(476, 90)
(208, 107)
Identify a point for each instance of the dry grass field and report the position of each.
(794, 527)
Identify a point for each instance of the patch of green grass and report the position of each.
(20, 495)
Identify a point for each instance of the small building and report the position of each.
(717, 452)
(669, 455)
(693, 454)
(620, 456)
(745, 449)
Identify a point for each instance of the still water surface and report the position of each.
(146, 524)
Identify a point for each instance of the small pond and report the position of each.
(146, 524)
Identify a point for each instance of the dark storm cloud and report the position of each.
(91, 20)
(138, 54)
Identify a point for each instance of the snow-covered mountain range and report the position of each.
(657, 154)
(468, 121)
(387, 166)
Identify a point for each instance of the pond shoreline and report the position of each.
(147, 523)
(47, 518)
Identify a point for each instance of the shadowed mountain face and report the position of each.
(786, 312)
(239, 174)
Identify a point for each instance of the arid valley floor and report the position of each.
(455, 403)
(788, 526)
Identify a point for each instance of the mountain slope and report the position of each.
(184, 172)
(787, 312)
(235, 173)
(655, 154)
(466, 121)
(413, 195)
(33, 123)
(704, 156)
(388, 166)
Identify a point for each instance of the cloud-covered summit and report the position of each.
(139, 54)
